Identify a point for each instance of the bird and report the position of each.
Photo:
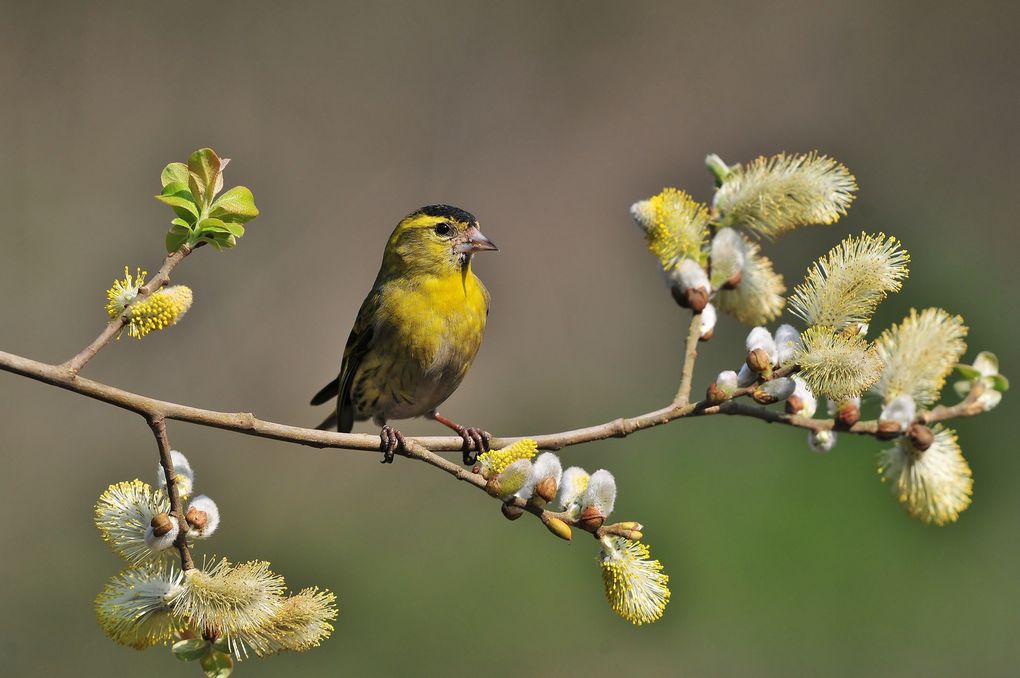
(417, 332)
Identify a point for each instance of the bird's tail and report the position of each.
(329, 423)
(327, 392)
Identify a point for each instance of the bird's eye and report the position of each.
(443, 228)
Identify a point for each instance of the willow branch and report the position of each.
(247, 423)
(683, 394)
(158, 426)
(113, 328)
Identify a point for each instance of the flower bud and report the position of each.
(167, 527)
(511, 511)
(788, 342)
(558, 527)
(733, 281)
(708, 320)
(601, 493)
(202, 517)
(746, 376)
(821, 441)
(196, 519)
(794, 404)
(591, 519)
(921, 437)
(511, 480)
(848, 414)
(161, 524)
(758, 360)
(546, 488)
(776, 389)
(901, 409)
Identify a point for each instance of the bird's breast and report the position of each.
(433, 330)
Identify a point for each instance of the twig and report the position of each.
(683, 395)
(247, 423)
(158, 426)
(113, 328)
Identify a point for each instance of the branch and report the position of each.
(683, 395)
(113, 328)
(249, 424)
(158, 426)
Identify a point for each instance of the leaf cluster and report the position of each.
(191, 191)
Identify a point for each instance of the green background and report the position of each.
(545, 119)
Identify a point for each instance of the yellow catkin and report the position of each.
(161, 309)
(495, 462)
(919, 353)
(934, 485)
(847, 284)
(675, 226)
(835, 365)
(775, 195)
(636, 587)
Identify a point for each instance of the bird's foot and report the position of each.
(391, 441)
(476, 441)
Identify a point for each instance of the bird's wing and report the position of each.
(358, 345)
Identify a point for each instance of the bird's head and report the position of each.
(437, 240)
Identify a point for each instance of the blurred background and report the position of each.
(547, 120)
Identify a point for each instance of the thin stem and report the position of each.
(113, 328)
(158, 426)
(683, 395)
(247, 423)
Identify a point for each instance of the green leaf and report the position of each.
(999, 382)
(212, 224)
(237, 204)
(181, 200)
(190, 650)
(967, 372)
(174, 173)
(217, 664)
(177, 236)
(182, 206)
(221, 645)
(205, 170)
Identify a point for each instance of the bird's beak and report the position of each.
(476, 242)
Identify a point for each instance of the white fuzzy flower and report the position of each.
(727, 381)
(546, 465)
(900, 409)
(161, 542)
(780, 389)
(832, 406)
(787, 343)
(759, 337)
(708, 320)
(601, 493)
(690, 275)
(185, 475)
(135, 608)
(809, 404)
(821, 441)
(123, 514)
(202, 516)
(746, 376)
(572, 488)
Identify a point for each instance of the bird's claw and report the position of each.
(391, 441)
(476, 441)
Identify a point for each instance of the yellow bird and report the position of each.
(417, 332)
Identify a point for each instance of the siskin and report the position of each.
(417, 332)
